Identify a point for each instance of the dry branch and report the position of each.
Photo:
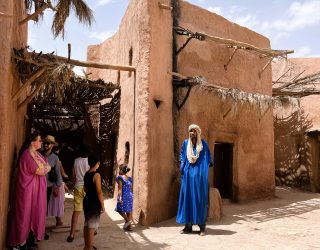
(38, 12)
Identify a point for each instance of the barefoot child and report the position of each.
(93, 202)
(125, 196)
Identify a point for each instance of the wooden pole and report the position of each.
(28, 83)
(233, 43)
(30, 97)
(247, 46)
(87, 64)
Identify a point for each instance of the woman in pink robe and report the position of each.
(28, 213)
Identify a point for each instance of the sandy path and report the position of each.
(291, 220)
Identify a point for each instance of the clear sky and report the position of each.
(288, 24)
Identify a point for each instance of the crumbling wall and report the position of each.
(12, 35)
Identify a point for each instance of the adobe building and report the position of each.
(297, 124)
(159, 101)
(12, 35)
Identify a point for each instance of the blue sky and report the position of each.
(288, 24)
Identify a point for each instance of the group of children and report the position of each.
(88, 197)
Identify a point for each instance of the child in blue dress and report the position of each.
(125, 196)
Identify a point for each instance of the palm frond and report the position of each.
(81, 9)
(83, 12)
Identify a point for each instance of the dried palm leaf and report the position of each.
(81, 9)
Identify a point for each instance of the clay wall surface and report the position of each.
(251, 134)
(11, 121)
(148, 129)
(301, 67)
(292, 146)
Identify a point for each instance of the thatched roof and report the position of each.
(296, 77)
(56, 92)
(258, 102)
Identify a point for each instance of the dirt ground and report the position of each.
(290, 220)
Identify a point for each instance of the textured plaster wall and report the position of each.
(251, 135)
(148, 129)
(293, 149)
(11, 121)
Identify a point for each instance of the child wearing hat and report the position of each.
(125, 196)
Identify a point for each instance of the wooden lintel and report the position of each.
(164, 6)
(28, 83)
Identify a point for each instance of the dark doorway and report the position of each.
(223, 174)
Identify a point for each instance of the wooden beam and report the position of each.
(30, 97)
(247, 46)
(27, 84)
(87, 64)
(233, 43)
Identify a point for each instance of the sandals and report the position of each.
(127, 225)
(187, 229)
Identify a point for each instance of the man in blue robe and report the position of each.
(195, 161)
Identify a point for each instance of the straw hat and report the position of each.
(51, 140)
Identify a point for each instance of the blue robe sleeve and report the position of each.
(183, 157)
(210, 161)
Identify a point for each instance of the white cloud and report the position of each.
(247, 21)
(104, 2)
(216, 10)
(234, 10)
(101, 36)
(298, 16)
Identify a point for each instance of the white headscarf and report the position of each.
(192, 158)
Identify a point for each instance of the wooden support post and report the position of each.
(265, 66)
(28, 83)
(225, 115)
(178, 75)
(164, 6)
(69, 51)
(30, 97)
(230, 58)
